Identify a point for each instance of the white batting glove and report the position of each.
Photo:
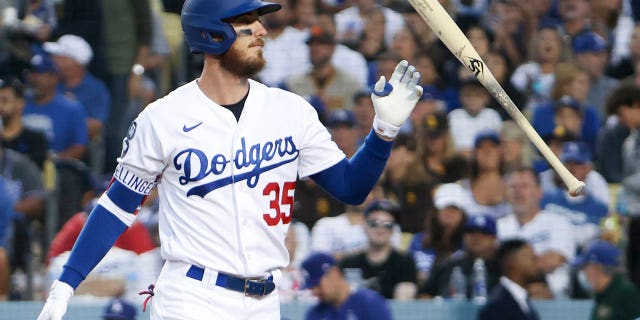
(394, 100)
(57, 301)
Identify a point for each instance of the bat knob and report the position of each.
(577, 189)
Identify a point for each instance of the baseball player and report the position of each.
(225, 152)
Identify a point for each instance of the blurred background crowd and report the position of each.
(461, 179)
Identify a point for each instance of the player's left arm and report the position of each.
(351, 180)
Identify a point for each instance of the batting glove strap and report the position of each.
(384, 129)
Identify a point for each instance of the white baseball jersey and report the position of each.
(226, 187)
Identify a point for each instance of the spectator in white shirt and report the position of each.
(345, 234)
(284, 47)
(549, 234)
(350, 21)
(473, 117)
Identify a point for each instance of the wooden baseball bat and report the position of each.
(450, 34)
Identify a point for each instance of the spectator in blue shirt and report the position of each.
(6, 213)
(337, 300)
(61, 119)
(71, 55)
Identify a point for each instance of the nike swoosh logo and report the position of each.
(187, 129)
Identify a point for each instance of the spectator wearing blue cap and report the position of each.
(119, 309)
(337, 300)
(383, 268)
(591, 52)
(616, 297)
(342, 126)
(363, 113)
(61, 119)
(345, 234)
(480, 242)
(569, 107)
(586, 211)
(577, 157)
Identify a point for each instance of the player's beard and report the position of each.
(239, 63)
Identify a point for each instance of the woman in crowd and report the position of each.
(442, 235)
(485, 187)
(536, 77)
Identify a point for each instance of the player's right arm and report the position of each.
(133, 180)
(110, 218)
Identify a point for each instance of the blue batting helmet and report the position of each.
(203, 25)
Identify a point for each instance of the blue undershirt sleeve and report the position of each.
(106, 222)
(98, 236)
(350, 181)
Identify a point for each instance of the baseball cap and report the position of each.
(318, 34)
(71, 46)
(589, 42)
(482, 223)
(567, 101)
(341, 117)
(575, 151)
(450, 194)
(42, 63)
(383, 205)
(118, 309)
(314, 268)
(481, 136)
(600, 252)
(431, 92)
(436, 123)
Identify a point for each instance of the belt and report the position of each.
(250, 287)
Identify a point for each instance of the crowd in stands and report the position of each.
(462, 177)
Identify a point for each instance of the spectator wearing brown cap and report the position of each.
(436, 149)
(406, 182)
(332, 86)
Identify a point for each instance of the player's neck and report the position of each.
(221, 86)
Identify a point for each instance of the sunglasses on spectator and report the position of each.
(380, 224)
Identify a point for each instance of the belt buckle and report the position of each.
(247, 284)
